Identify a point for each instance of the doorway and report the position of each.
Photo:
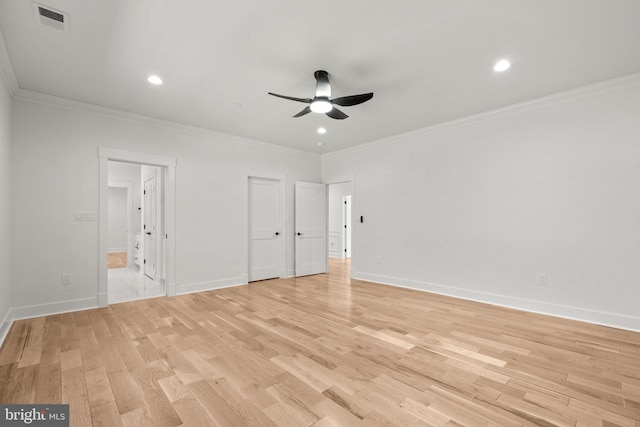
(133, 231)
(340, 233)
(136, 169)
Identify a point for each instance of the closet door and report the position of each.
(264, 232)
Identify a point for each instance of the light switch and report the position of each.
(86, 216)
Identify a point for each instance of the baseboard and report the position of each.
(39, 310)
(172, 289)
(209, 286)
(103, 299)
(6, 325)
(630, 323)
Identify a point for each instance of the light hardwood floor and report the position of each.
(116, 260)
(322, 351)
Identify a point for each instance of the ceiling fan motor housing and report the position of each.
(321, 102)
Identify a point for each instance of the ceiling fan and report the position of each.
(321, 102)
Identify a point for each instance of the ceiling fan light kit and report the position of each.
(321, 102)
(321, 105)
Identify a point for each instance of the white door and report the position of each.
(149, 227)
(310, 228)
(264, 232)
(346, 227)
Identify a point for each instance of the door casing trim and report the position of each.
(168, 165)
(282, 251)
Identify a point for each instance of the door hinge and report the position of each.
(144, 262)
(345, 226)
(144, 191)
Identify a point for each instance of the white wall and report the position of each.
(5, 203)
(130, 173)
(117, 223)
(477, 209)
(55, 158)
(334, 199)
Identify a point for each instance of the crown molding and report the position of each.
(7, 73)
(600, 88)
(69, 104)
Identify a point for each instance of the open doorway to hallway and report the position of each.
(135, 256)
(339, 197)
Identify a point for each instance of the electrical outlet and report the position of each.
(542, 279)
(66, 279)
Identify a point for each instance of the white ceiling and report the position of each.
(427, 62)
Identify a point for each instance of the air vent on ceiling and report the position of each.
(51, 17)
(51, 14)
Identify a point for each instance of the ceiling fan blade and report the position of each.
(306, 110)
(348, 101)
(306, 100)
(337, 114)
(323, 87)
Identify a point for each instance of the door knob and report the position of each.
(277, 233)
(148, 232)
(300, 234)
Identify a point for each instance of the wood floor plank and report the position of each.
(192, 413)
(32, 350)
(50, 353)
(352, 403)
(98, 387)
(326, 351)
(137, 418)
(325, 422)
(286, 416)
(89, 349)
(49, 385)
(22, 387)
(74, 393)
(126, 392)
(426, 413)
(105, 414)
(159, 407)
(219, 410)
(7, 379)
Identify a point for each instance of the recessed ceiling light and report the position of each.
(322, 130)
(154, 80)
(320, 144)
(501, 65)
